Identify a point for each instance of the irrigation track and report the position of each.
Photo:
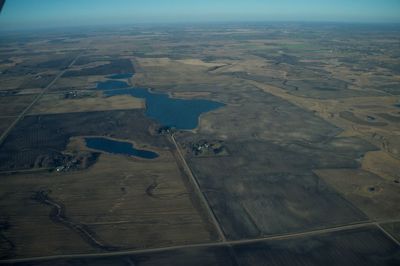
(37, 98)
(198, 191)
(205, 245)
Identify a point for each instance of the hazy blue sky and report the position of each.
(39, 13)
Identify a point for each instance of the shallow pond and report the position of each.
(118, 147)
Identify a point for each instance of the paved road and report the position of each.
(212, 244)
(198, 191)
(204, 201)
(37, 98)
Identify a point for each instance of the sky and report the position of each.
(53, 13)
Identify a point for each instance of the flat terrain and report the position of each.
(5, 122)
(298, 166)
(84, 102)
(14, 105)
(39, 141)
(130, 204)
(393, 229)
(373, 195)
(350, 247)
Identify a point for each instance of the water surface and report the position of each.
(118, 147)
(179, 113)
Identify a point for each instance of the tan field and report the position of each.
(54, 103)
(128, 204)
(276, 143)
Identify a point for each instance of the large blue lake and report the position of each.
(179, 113)
(118, 147)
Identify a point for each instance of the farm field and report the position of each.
(354, 246)
(247, 144)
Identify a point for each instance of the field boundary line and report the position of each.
(388, 234)
(37, 98)
(370, 223)
(197, 188)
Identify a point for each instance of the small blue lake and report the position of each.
(121, 76)
(111, 84)
(118, 147)
(179, 113)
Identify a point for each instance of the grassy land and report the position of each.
(309, 133)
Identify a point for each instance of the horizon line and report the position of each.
(188, 23)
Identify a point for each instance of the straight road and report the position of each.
(198, 190)
(37, 98)
(206, 245)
